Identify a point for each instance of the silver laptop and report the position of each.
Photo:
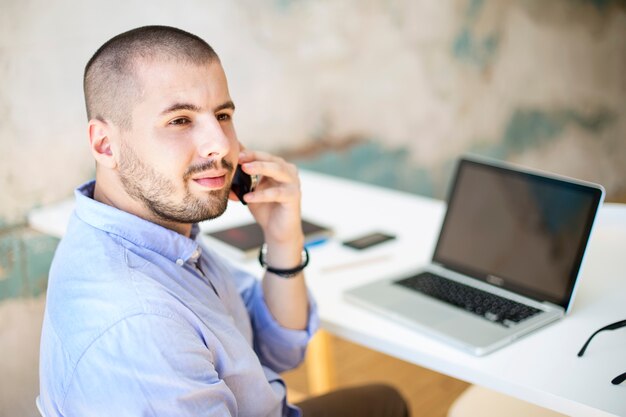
(506, 261)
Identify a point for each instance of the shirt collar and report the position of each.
(174, 246)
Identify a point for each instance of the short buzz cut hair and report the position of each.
(110, 82)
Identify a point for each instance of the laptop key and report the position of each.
(492, 316)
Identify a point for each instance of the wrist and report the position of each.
(286, 270)
(284, 254)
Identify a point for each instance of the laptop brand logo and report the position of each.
(492, 279)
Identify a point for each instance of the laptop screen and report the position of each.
(522, 231)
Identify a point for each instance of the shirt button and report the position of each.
(180, 262)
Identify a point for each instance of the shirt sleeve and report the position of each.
(277, 347)
(129, 371)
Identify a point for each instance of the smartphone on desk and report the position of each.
(243, 183)
(368, 240)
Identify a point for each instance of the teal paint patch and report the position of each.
(38, 251)
(284, 5)
(463, 44)
(25, 258)
(604, 4)
(531, 128)
(11, 266)
(373, 164)
(473, 9)
(467, 47)
(479, 52)
(6, 225)
(594, 123)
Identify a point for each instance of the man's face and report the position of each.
(179, 155)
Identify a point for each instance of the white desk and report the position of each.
(541, 368)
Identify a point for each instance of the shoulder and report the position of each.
(94, 286)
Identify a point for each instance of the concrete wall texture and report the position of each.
(542, 83)
(386, 91)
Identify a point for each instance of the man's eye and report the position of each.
(180, 121)
(223, 117)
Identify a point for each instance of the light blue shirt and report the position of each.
(142, 321)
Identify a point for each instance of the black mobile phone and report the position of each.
(368, 240)
(242, 183)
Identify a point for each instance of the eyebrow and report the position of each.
(228, 105)
(192, 107)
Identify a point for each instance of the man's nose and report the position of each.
(212, 141)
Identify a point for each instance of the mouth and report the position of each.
(211, 180)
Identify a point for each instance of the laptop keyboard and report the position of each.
(490, 306)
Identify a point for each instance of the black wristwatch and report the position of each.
(284, 273)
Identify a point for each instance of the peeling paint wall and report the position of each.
(387, 91)
(536, 82)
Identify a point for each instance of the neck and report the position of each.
(122, 201)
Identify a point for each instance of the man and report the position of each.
(141, 319)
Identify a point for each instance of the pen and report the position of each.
(355, 263)
(316, 242)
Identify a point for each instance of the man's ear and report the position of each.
(101, 144)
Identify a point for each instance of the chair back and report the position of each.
(38, 404)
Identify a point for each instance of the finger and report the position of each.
(273, 195)
(279, 171)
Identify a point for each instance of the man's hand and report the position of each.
(275, 204)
